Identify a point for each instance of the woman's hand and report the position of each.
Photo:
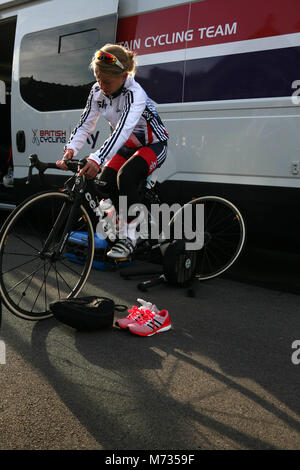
(68, 155)
(90, 169)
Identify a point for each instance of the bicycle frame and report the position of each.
(74, 203)
(30, 244)
(79, 192)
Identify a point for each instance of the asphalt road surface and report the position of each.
(222, 378)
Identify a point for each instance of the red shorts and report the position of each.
(154, 155)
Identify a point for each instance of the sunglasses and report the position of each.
(108, 58)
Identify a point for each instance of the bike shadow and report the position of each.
(183, 383)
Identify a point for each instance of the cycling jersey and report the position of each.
(131, 115)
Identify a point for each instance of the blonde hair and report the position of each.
(125, 56)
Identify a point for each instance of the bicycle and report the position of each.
(34, 240)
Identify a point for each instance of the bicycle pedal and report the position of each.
(128, 258)
(119, 260)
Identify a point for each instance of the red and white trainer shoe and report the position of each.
(150, 323)
(136, 312)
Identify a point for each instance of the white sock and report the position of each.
(148, 305)
(129, 231)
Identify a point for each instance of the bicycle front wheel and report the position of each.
(33, 276)
(224, 234)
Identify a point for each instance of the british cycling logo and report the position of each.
(46, 136)
(35, 139)
(49, 136)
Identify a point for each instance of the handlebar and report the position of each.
(43, 166)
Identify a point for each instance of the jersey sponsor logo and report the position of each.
(92, 139)
(152, 166)
(102, 104)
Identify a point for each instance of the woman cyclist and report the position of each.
(137, 144)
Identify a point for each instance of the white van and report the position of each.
(225, 79)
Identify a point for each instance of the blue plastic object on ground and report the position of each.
(76, 251)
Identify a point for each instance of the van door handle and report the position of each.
(21, 141)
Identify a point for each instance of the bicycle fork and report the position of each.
(65, 218)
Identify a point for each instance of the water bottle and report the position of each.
(109, 218)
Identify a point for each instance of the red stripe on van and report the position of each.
(207, 22)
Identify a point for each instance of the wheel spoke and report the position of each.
(220, 221)
(26, 242)
(31, 277)
(56, 278)
(64, 280)
(40, 289)
(224, 231)
(20, 265)
(69, 267)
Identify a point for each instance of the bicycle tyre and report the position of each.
(224, 235)
(21, 241)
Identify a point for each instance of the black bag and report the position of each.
(86, 313)
(179, 264)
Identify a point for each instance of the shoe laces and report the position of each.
(140, 315)
(135, 312)
(147, 315)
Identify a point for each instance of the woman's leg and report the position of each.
(129, 178)
(136, 169)
(130, 175)
(109, 175)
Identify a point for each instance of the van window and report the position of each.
(82, 40)
(54, 64)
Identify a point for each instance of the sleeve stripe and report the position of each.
(158, 129)
(111, 141)
(84, 116)
(155, 123)
(162, 156)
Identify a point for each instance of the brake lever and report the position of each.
(33, 161)
(73, 165)
(42, 167)
(29, 176)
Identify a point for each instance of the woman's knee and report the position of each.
(131, 174)
(108, 174)
(125, 181)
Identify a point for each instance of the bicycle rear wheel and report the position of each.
(224, 234)
(32, 277)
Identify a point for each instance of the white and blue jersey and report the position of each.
(131, 115)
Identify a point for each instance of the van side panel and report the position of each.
(227, 84)
(225, 78)
(229, 105)
(51, 75)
